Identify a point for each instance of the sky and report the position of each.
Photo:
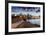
(26, 10)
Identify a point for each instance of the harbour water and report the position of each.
(34, 21)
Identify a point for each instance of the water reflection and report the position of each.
(34, 21)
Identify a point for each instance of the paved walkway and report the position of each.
(14, 25)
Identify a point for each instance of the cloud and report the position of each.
(25, 9)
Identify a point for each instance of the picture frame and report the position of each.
(21, 4)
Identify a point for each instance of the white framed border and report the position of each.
(24, 29)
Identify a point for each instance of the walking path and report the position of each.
(14, 25)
